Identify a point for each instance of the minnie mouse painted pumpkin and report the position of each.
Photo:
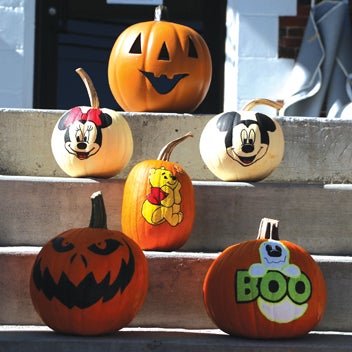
(89, 141)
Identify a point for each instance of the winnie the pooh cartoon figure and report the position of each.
(163, 203)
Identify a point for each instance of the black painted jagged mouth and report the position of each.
(163, 84)
(88, 291)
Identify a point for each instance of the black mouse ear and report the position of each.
(265, 122)
(227, 120)
(106, 120)
(63, 120)
(69, 117)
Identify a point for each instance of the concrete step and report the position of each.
(33, 339)
(174, 299)
(316, 149)
(315, 216)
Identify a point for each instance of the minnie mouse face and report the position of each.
(83, 137)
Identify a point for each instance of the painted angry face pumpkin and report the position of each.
(89, 281)
(77, 281)
(242, 146)
(159, 66)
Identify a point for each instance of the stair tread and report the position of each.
(175, 289)
(315, 216)
(32, 338)
(316, 149)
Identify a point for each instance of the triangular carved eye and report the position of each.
(164, 54)
(192, 51)
(136, 47)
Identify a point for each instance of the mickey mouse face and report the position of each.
(159, 66)
(242, 146)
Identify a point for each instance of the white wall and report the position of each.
(252, 67)
(17, 18)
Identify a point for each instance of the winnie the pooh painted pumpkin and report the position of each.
(158, 207)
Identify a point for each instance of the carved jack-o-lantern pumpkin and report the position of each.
(89, 281)
(89, 141)
(242, 146)
(159, 66)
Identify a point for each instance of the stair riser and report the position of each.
(175, 291)
(316, 150)
(314, 216)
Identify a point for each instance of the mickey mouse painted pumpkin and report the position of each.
(89, 281)
(265, 288)
(159, 66)
(90, 141)
(158, 207)
(242, 146)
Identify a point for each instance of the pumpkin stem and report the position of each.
(93, 96)
(166, 151)
(268, 229)
(161, 13)
(261, 101)
(98, 215)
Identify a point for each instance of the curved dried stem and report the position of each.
(166, 151)
(93, 96)
(262, 101)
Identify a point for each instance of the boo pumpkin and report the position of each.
(265, 288)
(159, 66)
(89, 281)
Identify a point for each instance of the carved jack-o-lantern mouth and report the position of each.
(72, 295)
(163, 84)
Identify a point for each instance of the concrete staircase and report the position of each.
(310, 193)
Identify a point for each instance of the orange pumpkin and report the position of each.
(265, 288)
(89, 281)
(159, 66)
(89, 141)
(158, 205)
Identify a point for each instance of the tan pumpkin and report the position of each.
(244, 145)
(89, 141)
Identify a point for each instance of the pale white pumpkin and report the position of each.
(242, 146)
(88, 141)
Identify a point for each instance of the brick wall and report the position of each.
(292, 29)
